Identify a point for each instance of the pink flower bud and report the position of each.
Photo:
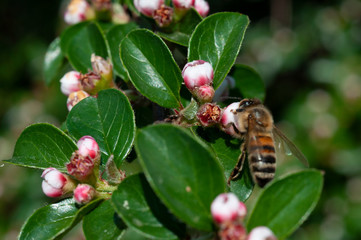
(209, 114)
(77, 11)
(88, 147)
(228, 118)
(76, 97)
(81, 167)
(197, 73)
(184, 4)
(202, 7)
(232, 231)
(84, 193)
(227, 208)
(55, 183)
(70, 82)
(163, 16)
(204, 93)
(261, 233)
(147, 7)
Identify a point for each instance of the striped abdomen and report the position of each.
(261, 157)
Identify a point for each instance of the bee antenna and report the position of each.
(226, 98)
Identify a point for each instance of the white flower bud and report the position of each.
(88, 147)
(184, 4)
(261, 233)
(55, 183)
(228, 119)
(197, 73)
(147, 7)
(227, 208)
(78, 11)
(70, 82)
(84, 193)
(202, 7)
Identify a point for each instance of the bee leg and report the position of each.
(239, 166)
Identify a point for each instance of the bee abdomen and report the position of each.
(263, 168)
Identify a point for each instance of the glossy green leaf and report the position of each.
(41, 146)
(227, 150)
(286, 203)
(53, 61)
(182, 30)
(103, 223)
(79, 41)
(109, 119)
(53, 221)
(217, 39)
(249, 82)
(151, 67)
(130, 202)
(182, 171)
(114, 36)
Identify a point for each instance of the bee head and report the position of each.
(245, 103)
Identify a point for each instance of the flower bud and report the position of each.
(232, 231)
(228, 118)
(55, 183)
(88, 147)
(202, 7)
(84, 193)
(102, 67)
(147, 7)
(204, 93)
(76, 97)
(77, 11)
(81, 167)
(183, 4)
(261, 233)
(197, 73)
(209, 114)
(163, 16)
(227, 208)
(70, 82)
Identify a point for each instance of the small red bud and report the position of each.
(55, 183)
(209, 114)
(232, 231)
(197, 73)
(163, 16)
(204, 93)
(202, 7)
(227, 208)
(261, 233)
(147, 7)
(84, 193)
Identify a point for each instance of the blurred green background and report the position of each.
(307, 52)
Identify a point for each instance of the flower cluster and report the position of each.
(81, 178)
(163, 15)
(78, 86)
(80, 10)
(228, 213)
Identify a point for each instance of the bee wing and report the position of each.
(279, 137)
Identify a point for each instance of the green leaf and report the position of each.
(249, 82)
(79, 41)
(286, 203)
(53, 221)
(227, 150)
(109, 119)
(115, 35)
(102, 223)
(217, 39)
(182, 30)
(53, 61)
(182, 171)
(151, 67)
(131, 201)
(41, 146)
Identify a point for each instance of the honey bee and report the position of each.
(254, 125)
